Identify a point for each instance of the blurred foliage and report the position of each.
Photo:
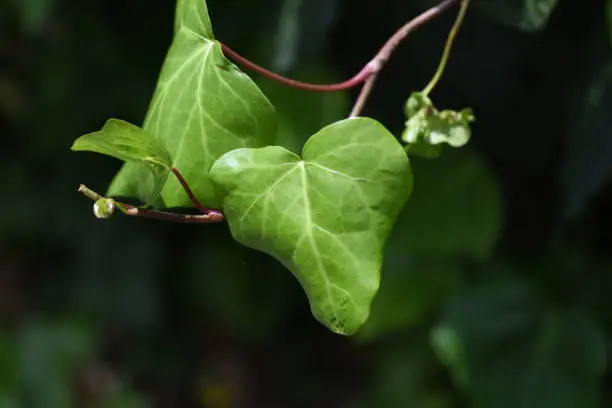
(528, 15)
(495, 289)
(506, 347)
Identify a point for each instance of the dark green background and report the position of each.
(496, 287)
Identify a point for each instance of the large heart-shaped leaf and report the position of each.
(325, 216)
(131, 144)
(202, 108)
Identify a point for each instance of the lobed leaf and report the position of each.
(203, 107)
(325, 216)
(131, 144)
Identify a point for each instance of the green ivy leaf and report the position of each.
(203, 107)
(454, 210)
(326, 217)
(452, 128)
(131, 144)
(192, 15)
(507, 348)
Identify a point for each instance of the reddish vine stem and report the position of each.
(189, 192)
(367, 75)
(385, 52)
(354, 81)
(208, 215)
(211, 217)
(363, 96)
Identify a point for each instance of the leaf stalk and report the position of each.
(367, 75)
(447, 48)
(213, 216)
(208, 215)
(359, 78)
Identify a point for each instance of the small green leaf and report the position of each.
(131, 144)
(126, 142)
(417, 102)
(450, 127)
(427, 128)
(325, 216)
(203, 107)
(416, 128)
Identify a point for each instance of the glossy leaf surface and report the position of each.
(325, 216)
(131, 144)
(202, 108)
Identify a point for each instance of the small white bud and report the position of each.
(104, 208)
